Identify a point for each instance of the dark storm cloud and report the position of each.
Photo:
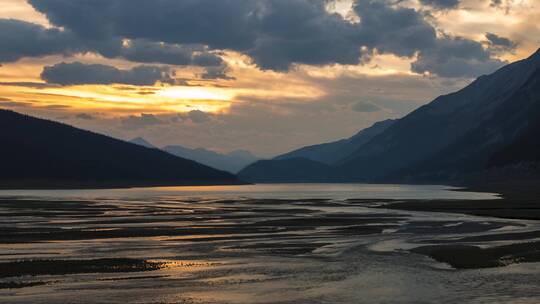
(399, 31)
(496, 3)
(142, 121)
(77, 73)
(500, 42)
(276, 34)
(441, 4)
(172, 21)
(20, 39)
(456, 57)
(302, 31)
(142, 50)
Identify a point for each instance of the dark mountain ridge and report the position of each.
(443, 129)
(330, 153)
(490, 123)
(38, 153)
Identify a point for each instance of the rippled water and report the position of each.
(246, 244)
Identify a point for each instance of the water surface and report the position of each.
(318, 243)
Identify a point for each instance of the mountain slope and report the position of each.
(289, 170)
(493, 122)
(457, 130)
(332, 152)
(41, 153)
(508, 136)
(142, 142)
(231, 162)
(524, 147)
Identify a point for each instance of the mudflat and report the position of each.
(174, 249)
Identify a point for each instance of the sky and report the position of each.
(266, 76)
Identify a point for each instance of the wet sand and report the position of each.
(169, 249)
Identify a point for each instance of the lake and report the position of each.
(288, 243)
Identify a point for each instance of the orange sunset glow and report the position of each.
(239, 89)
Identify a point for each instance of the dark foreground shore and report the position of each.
(518, 201)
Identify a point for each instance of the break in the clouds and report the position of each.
(275, 34)
(77, 73)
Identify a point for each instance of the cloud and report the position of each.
(171, 21)
(20, 39)
(84, 116)
(396, 30)
(441, 4)
(78, 73)
(34, 85)
(456, 57)
(219, 72)
(8, 103)
(275, 34)
(142, 121)
(143, 50)
(500, 44)
(198, 116)
(365, 107)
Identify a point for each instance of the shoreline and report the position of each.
(96, 185)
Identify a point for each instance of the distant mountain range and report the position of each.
(492, 123)
(311, 163)
(142, 142)
(231, 162)
(38, 153)
(333, 152)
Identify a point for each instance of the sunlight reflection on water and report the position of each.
(289, 191)
(284, 245)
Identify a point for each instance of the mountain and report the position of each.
(491, 123)
(231, 162)
(38, 153)
(454, 135)
(288, 170)
(311, 163)
(142, 142)
(526, 146)
(330, 153)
